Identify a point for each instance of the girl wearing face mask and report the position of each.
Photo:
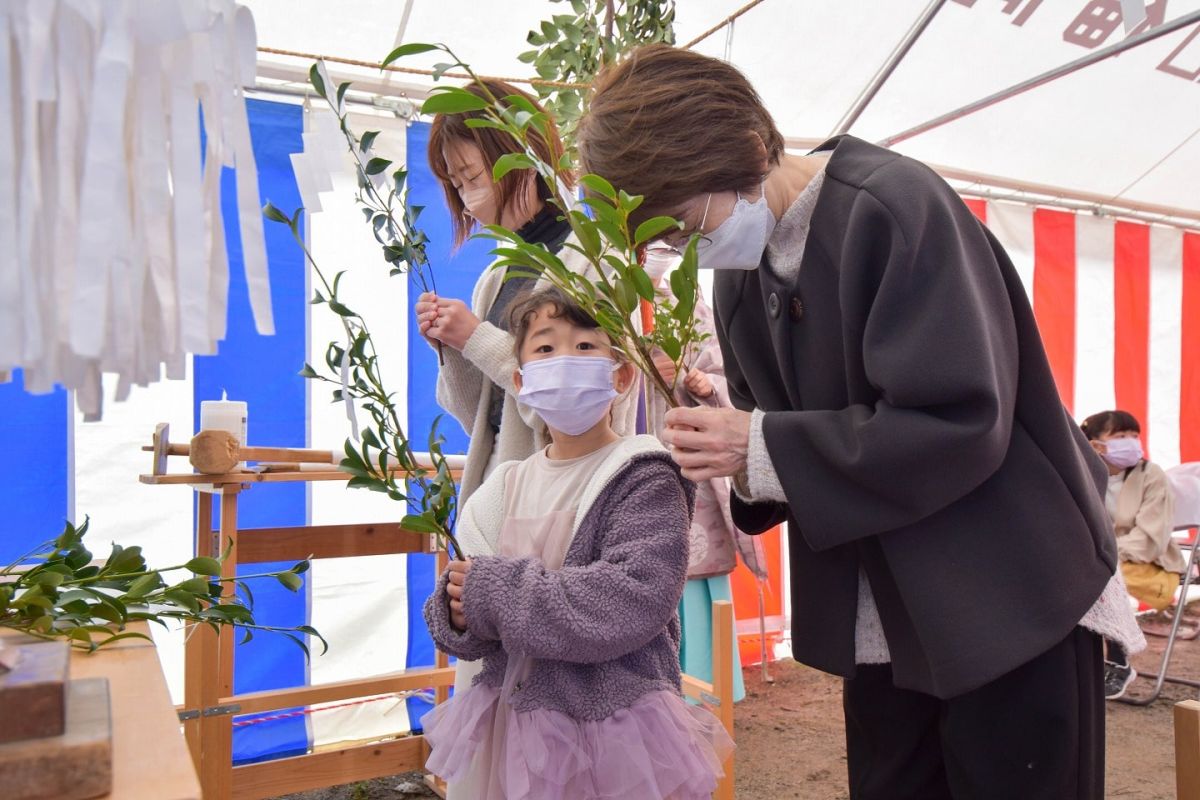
(1142, 508)
(475, 381)
(570, 601)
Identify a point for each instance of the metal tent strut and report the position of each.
(885, 71)
(1044, 78)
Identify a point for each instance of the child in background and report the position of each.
(715, 541)
(1142, 508)
(575, 613)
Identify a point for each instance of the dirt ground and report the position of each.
(790, 738)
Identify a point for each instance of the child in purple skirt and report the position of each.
(575, 612)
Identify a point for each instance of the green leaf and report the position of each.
(204, 565)
(340, 309)
(116, 637)
(101, 611)
(182, 598)
(194, 586)
(508, 162)
(441, 69)
(311, 631)
(420, 524)
(143, 586)
(625, 296)
(368, 139)
(49, 579)
(318, 83)
(453, 101)
(377, 165)
(291, 580)
(274, 214)
(81, 635)
(308, 372)
(341, 93)
(594, 183)
(528, 57)
(411, 49)
(642, 284)
(318, 298)
(654, 227)
(482, 122)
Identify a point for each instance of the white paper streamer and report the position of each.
(112, 245)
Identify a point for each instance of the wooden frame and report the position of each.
(210, 703)
(1187, 749)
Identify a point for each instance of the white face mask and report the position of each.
(1123, 453)
(738, 242)
(659, 261)
(570, 393)
(480, 204)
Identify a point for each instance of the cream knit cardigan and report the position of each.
(467, 379)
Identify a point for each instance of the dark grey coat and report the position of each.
(915, 426)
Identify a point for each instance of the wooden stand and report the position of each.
(209, 701)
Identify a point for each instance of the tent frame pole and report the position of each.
(889, 66)
(1044, 78)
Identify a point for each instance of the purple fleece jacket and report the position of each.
(604, 630)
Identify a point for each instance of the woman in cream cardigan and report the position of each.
(475, 381)
(1142, 508)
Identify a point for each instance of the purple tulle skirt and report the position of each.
(660, 748)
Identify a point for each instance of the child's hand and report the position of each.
(664, 365)
(698, 383)
(457, 575)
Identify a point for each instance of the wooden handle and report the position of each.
(289, 455)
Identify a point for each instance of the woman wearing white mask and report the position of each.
(950, 553)
(1142, 508)
(475, 380)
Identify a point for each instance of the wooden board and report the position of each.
(287, 775)
(1187, 750)
(150, 759)
(33, 692)
(76, 765)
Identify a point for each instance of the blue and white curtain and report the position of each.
(56, 467)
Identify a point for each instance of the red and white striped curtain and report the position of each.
(1118, 306)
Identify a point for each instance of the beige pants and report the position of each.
(1150, 583)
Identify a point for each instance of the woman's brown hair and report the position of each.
(492, 143)
(670, 124)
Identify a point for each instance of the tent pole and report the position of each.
(885, 71)
(1045, 77)
(1012, 190)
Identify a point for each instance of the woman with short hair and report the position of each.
(950, 554)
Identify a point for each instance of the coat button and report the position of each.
(796, 309)
(773, 304)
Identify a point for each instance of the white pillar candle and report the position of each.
(225, 415)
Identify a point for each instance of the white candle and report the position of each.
(225, 415)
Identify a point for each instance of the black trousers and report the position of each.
(1036, 733)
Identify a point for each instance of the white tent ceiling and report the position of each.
(1125, 129)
